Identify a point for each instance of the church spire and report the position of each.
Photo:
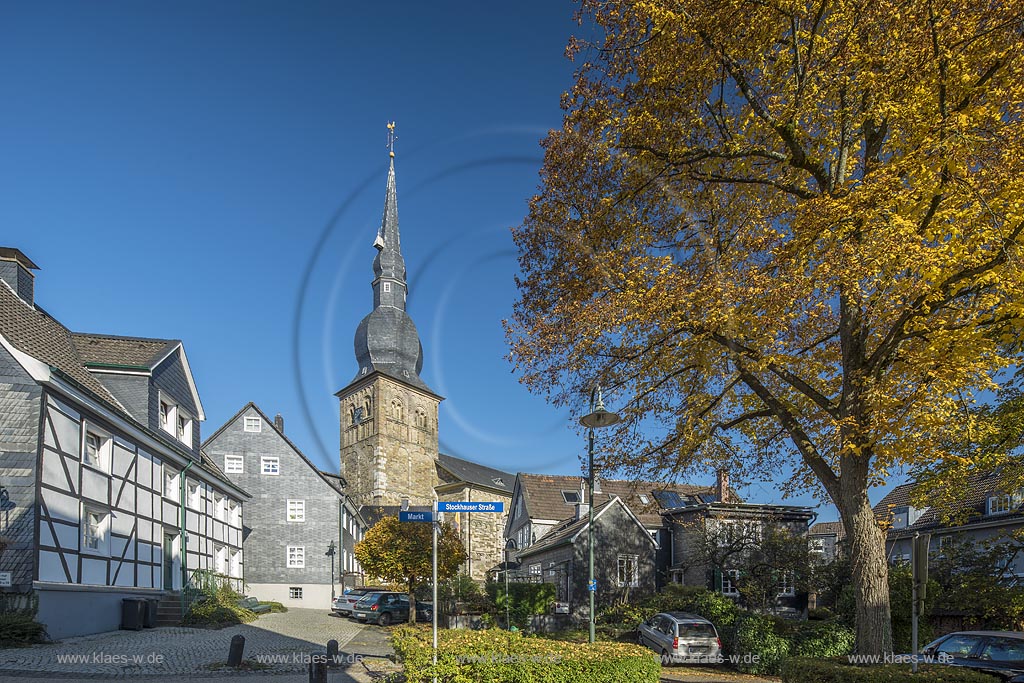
(386, 340)
(389, 286)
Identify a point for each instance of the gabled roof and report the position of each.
(109, 350)
(972, 506)
(332, 480)
(828, 529)
(477, 474)
(569, 530)
(542, 495)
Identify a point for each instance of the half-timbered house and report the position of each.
(105, 492)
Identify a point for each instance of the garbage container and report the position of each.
(133, 613)
(151, 608)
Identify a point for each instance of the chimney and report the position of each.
(581, 510)
(279, 423)
(16, 270)
(722, 486)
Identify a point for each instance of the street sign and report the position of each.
(468, 506)
(5, 579)
(592, 586)
(415, 516)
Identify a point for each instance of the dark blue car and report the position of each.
(999, 653)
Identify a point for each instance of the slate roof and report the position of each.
(542, 494)
(828, 528)
(475, 473)
(34, 332)
(135, 352)
(972, 505)
(333, 480)
(564, 532)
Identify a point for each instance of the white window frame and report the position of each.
(103, 450)
(234, 464)
(295, 510)
(787, 584)
(294, 592)
(183, 432)
(172, 485)
(387, 286)
(295, 557)
(98, 532)
(168, 415)
(273, 460)
(628, 571)
(233, 509)
(252, 424)
(1000, 504)
(816, 545)
(730, 577)
(219, 507)
(193, 495)
(535, 569)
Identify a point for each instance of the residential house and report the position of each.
(105, 494)
(542, 502)
(624, 557)
(824, 539)
(297, 511)
(984, 513)
(713, 543)
(482, 533)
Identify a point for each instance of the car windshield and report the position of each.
(958, 645)
(696, 629)
(368, 599)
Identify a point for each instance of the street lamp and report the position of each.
(331, 550)
(597, 418)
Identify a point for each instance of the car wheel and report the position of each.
(639, 637)
(384, 619)
(665, 660)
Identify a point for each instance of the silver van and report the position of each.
(681, 638)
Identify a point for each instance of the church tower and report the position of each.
(388, 414)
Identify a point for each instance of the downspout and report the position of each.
(183, 535)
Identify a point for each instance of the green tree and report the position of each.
(788, 235)
(402, 553)
(977, 579)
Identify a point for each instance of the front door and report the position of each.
(168, 562)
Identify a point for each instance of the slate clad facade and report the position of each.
(93, 485)
(295, 513)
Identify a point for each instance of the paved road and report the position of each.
(282, 642)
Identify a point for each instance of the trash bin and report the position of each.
(151, 609)
(133, 613)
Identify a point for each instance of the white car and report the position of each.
(681, 638)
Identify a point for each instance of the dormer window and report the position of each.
(999, 504)
(184, 428)
(175, 421)
(571, 497)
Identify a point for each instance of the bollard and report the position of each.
(332, 653)
(317, 668)
(236, 650)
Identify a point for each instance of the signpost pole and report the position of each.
(913, 602)
(434, 610)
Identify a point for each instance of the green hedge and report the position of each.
(527, 600)
(800, 670)
(218, 608)
(20, 629)
(495, 656)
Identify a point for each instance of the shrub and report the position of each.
(275, 607)
(822, 640)
(508, 657)
(820, 614)
(526, 600)
(626, 615)
(218, 607)
(20, 629)
(759, 648)
(799, 670)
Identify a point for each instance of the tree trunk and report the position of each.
(412, 605)
(866, 541)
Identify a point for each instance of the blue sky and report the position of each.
(215, 172)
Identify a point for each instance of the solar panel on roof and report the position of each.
(669, 499)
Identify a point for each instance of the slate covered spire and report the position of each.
(386, 340)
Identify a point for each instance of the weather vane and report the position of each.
(391, 138)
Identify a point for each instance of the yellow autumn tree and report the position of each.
(402, 553)
(787, 236)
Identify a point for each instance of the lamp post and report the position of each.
(509, 545)
(331, 550)
(597, 418)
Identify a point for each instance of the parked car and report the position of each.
(681, 638)
(344, 603)
(999, 653)
(389, 607)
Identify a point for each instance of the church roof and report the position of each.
(475, 473)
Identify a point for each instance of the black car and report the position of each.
(999, 653)
(388, 608)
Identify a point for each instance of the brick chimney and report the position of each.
(16, 270)
(722, 486)
(279, 423)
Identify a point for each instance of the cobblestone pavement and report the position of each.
(282, 642)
